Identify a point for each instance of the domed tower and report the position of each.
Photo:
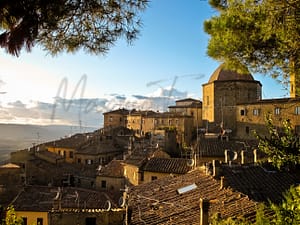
(224, 90)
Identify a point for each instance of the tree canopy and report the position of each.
(282, 146)
(64, 25)
(262, 35)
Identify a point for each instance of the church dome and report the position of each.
(222, 74)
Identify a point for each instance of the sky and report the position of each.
(166, 63)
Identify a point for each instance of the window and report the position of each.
(90, 221)
(24, 220)
(88, 161)
(256, 112)
(79, 160)
(242, 112)
(110, 119)
(277, 111)
(121, 119)
(207, 100)
(170, 122)
(153, 177)
(297, 110)
(176, 121)
(247, 130)
(103, 184)
(65, 154)
(39, 221)
(71, 155)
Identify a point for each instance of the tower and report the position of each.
(224, 90)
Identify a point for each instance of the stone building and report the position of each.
(224, 90)
(191, 107)
(115, 118)
(251, 116)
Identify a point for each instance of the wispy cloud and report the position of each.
(85, 111)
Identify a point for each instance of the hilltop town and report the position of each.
(183, 166)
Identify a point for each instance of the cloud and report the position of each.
(86, 111)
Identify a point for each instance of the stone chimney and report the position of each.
(242, 157)
(223, 183)
(226, 155)
(204, 207)
(216, 168)
(255, 156)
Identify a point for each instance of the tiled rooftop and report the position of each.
(70, 142)
(113, 169)
(42, 198)
(216, 147)
(259, 183)
(167, 165)
(159, 202)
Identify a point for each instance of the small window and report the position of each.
(39, 221)
(153, 177)
(103, 184)
(79, 160)
(170, 122)
(256, 112)
(121, 119)
(277, 111)
(24, 220)
(71, 155)
(65, 154)
(110, 119)
(207, 100)
(297, 110)
(176, 122)
(242, 112)
(247, 130)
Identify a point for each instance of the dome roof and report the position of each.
(222, 74)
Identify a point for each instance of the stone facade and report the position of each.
(116, 118)
(224, 90)
(252, 116)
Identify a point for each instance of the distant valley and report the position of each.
(18, 136)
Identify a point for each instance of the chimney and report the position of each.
(204, 207)
(255, 156)
(226, 155)
(223, 182)
(216, 168)
(242, 157)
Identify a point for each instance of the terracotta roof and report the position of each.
(113, 169)
(216, 147)
(159, 201)
(192, 105)
(259, 183)
(272, 101)
(221, 74)
(139, 156)
(70, 142)
(99, 147)
(167, 165)
(118, 111)
(188, 100)
(42, 198)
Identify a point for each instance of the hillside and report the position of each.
(18, 136)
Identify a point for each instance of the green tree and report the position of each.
(286, 213)
(282, 146)
(11, 217)
(64, 25)
(261, 35)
